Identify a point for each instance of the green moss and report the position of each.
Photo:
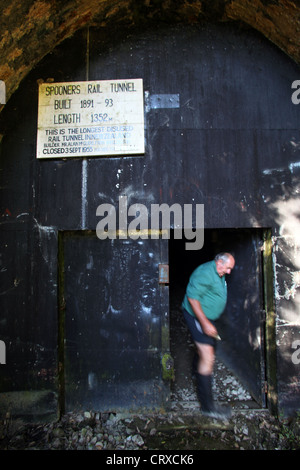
(167, 367)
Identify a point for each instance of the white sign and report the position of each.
(84, 119)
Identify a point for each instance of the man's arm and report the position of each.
(207, 327)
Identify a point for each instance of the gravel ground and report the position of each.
(254, 430)
(181, 427)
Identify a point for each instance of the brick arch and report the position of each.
(30, 29)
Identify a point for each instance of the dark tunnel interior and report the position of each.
(240, 355)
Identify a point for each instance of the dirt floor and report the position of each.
(175, 430)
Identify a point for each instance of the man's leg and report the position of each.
(206, 361)
(204, 373)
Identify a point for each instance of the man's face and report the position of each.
(225, 267)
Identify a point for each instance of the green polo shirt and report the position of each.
(206, 286)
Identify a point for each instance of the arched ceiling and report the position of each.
(30, 29)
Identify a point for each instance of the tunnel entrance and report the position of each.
(240, 369)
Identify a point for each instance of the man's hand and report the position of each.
(207, 327)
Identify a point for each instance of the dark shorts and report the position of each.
(196, 330)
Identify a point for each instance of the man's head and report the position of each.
(224, 263)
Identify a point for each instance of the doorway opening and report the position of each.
(240, 368)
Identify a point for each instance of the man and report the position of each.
(204, 302)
